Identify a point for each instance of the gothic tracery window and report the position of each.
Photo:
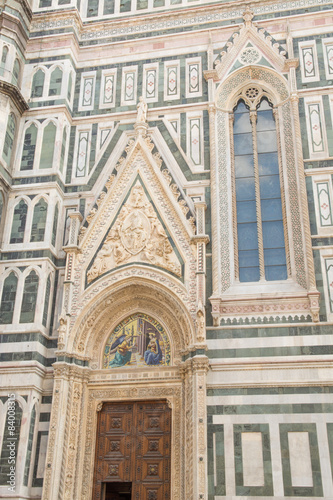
(8, 299)
(9, 139)
(37, 87)
(19, 222)
(39, 221)
(29, 298)
(261, 232)
(55, 82)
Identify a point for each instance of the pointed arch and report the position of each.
(39, 221)
(8, 299)
(29, 147)
(29, 298)
(48, 145)
(4, 55)
(19, 222)
(260, 235)
(55, 81)
(254, 84)
(9, 139)
(135, 294)
(38, 80)
(16, 72)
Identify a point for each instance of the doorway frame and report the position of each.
(171, 394)
(133, 401)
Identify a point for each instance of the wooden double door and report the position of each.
(133, 448)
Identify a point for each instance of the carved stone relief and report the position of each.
(136, 236)
(121, 245)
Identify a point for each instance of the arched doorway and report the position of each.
(86, 386)
(133, 451)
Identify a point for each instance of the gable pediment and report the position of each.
(251, 45)
(141, 216)
(137, 235)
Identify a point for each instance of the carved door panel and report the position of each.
(134, 445)
(114, 445)
(152, 456)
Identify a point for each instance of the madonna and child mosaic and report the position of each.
(139, 340)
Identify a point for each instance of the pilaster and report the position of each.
(195, 374)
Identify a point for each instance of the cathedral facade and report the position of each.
(166, 230)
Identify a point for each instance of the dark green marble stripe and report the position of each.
(259, 352)
(6, 338)
(265, 391)
(270, 409)
(264, 331)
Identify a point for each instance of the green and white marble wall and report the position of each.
(71, 74)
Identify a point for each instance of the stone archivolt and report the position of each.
(136, 236)
(116, 303)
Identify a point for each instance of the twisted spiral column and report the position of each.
(233, 194)
(253, 118)
(282, 189)
(311, 279)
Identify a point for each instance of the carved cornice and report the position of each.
(158, 21)
(14, 25)
(195, 364)
(72, 355)
(15, 95)
(65, 371)
(246, 309)
(26, 8)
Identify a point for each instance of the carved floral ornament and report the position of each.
(136, 236)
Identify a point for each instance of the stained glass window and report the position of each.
(29, 298)
(19, 221)
(260, 228)
(8, 299)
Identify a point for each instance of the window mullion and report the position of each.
(233, 194)
(253, 118)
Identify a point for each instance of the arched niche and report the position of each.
(115, 303)
(270, 84)
(139, 341)
(268, 79)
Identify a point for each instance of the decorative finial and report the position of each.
(248, 15)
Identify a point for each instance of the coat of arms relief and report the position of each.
(136, 236)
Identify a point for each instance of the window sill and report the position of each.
(264, 302)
